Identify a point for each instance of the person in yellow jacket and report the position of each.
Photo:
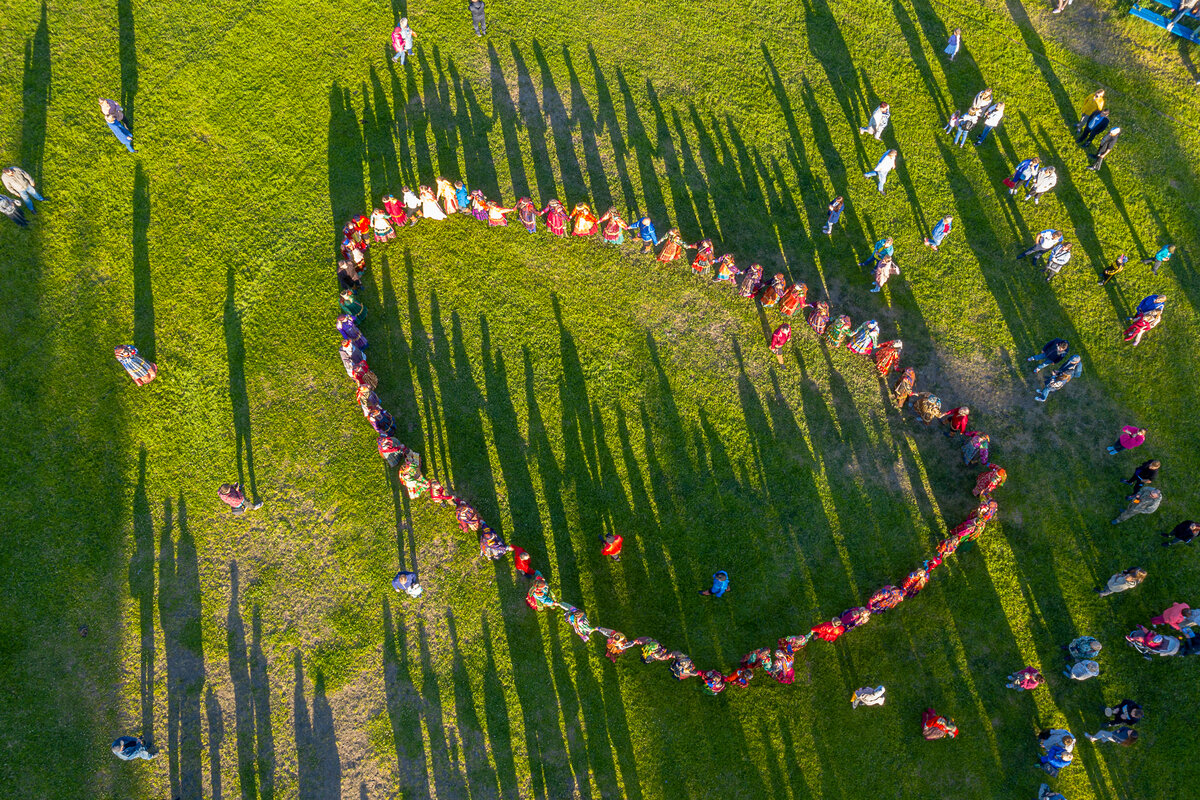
(1094, 104)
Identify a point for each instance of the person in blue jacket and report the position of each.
(645, 230)
(720, 585)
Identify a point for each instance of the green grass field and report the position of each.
(569, 389)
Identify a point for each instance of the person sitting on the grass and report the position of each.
(770, 296)
(887, 356)
(583, 221)
(579, 623)
(138, 368)
(1025, 680)
(720, 584)
(934, 726)
(752, 281)
(727, 269)
(838, 331)
(927, 406)
(479, 205)
(407, 582)
(612, 227)
(904, 387)
(673, 247)
(702, 264)
(527, 214)
(818, 318)
(556, 217)
(867, 696)
(793, 299)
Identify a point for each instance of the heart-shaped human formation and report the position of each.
(777, 661)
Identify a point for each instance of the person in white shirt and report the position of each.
(879, 121)
(885, 165)
(867, 696)
(1047, 179)
(990, 120)
(1042, 242)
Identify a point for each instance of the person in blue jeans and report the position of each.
(114, 117)
(19, 182)
(645, 231)
(1053, 352)
(990, 121)
(128, 748)
(720, 584)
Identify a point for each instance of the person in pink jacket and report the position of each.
(1130, 438)
(402, 41)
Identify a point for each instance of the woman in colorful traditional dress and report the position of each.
(357, 228)
(583, 221)
(467, 517)
(887, 356)
(774, 292)
(381, 226)
(350, 304)
(793, 644)
(412, 205)
(838, 330)
(975, 448)
(652, 651)
(727, 268)
(779, 338)
(829, 631)
(556, 217)
(496, 213)
(415, 484)
(818, 318)
(927, 406)
(141, 370)
(885, 270)
(612, 227)
(864, 340)
(447, 194)
(956, 420)
(752, 281)
(918, 578)
(439, 494)
(527, 213)
(703, 262)
(429, 205)
(793, 299)
(395, 210)
(935, 726)
(714, 681)
(758, 659)
(522, 562)
(479, 205)
(1141, 324)
(673, 247)
(989, 481)
(947, 547)
(683, 667)
(354, 252)
(783, 667)
(367, 401)
(539, 596)
(491, 545)
(854, 617)
(579, 623)
(381, 420)
(885, 599)
(740, 677)
(986, 511)
(904, 387)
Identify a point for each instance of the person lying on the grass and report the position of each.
(138, 368)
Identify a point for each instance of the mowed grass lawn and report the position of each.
(569, 389)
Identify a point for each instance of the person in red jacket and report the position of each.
(611, 545)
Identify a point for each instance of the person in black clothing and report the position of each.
(1127, 713)
(1054, 352)
(1106, 145)
(1095, 125)
(1183, 533)
(477, 18)
(1145, 473)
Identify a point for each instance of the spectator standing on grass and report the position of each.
(1160, 258)
(1123, 581)
(128, 748)
(1096, 124)
(1130, 438)
(878, 122)
(402, 41)
(1113, 269)
(477, 17)
(834, 214)
(1060, 378)
(882, 248)
(886, 164)
(1044, 181)
(1106, 146)
(991, 119)
(1053, 352)
(1056, 259)
(1046, 793)
(1183, 533)
(1093, 105)
(955, 44)
(17, 181)
(114, 117)
(939, 233)
(884, 270)
(1025, 172)
(1144, 501)
(611, 544)
(1143, 474)
(966, 122)
(12, 209)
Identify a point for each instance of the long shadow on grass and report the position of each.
(606, 117)
(243, 692)
(143, 289)
(480, 775)
(404, 709)
(534, 121)
(216, 738)
(179, 616)
(235, 350)
(35, 98)
(581, 114)
(318, 765)
(378, 146)
(141, 589)
(506, 114)
(575, 189)
(346, 181)
(127, 53)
